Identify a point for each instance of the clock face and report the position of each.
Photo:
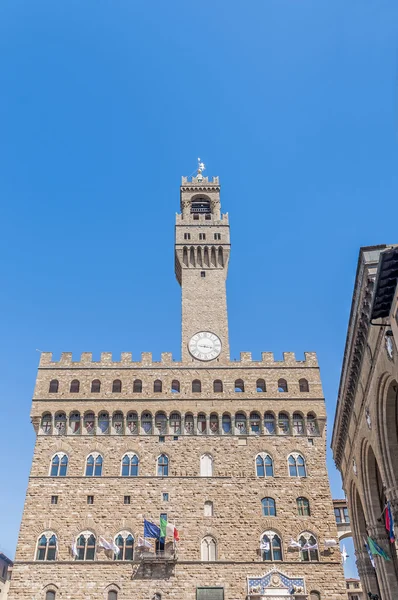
(204, 345)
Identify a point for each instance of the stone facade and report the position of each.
(226, 430)
(365, 439)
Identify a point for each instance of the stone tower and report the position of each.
(230, 453)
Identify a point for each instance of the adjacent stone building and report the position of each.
(354, 589)
(231, 452)
(5, 575)
(365, 436)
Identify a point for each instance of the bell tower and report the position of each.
(202, 246)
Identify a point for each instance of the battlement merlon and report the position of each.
(188, 182)
(126, 360)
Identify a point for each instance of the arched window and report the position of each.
(163, 466)
(132, 422)
(226, 423)
(239, 385)
(217, 386)
(47, 546)
(315, 595)
(269, 423)
(74, 422)
(96, 386)
(206, 465)
(196, 386)
(116, 386)
(201, 423)
(175, 423)
(304, 387)
(117, 422)
(137, 386)
(268, 507)
(303, 506)
(60, 423)
(209, 548)
(271, 546)
(214, 423)
(161, 423)
(240, 423)
(103, 422)
(146, 422)
(264, 465)
(260, 385)
(59, 465)
(255, 422)
(112, 595)
(282, 385)
(94, 465)
(130, 465)
(298, 424)
(296, 465)
(74, 386)
(189, 424)
(208, 508)
(312, 425)
(85, 546)
(46, 423)
(89, 423)
(157, 386)
(175, 386)
(50, 595)
(125, 542)
(309, 547)
(283, 423)
(53, 389)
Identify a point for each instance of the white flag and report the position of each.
(344, 554)
(308, 546)
(294, 544)
(74, 549)
(264, 545)
(142, 543)
(330, 543)
(103, 543)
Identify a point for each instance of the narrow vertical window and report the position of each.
(96, 386)
(116, 386)
(53, 389)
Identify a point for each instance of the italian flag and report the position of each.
(168, 530)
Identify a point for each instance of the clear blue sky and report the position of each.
(105, 104)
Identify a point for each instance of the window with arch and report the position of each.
(283, 423)
(125, 542)
(201, 423)
(206, 465)
(130, 465)
(269, 423)
(163, 466)
(161, 423)
(298, 424)
(303, 507)
(146, 422)
(54, 385)
(214, 423)
(112, 595)
(85, 546)
(175, 386)
(226, 423)
(103, 422)
(309, 547)
(46, 424)
(137, 386)
(157, 386)
(89, 423)
(239, 385)
(312, 425)
(189, 424)
(303, 385)
(315, 595)
(117, 422)
(297, 465)
(74, 386)
(132, 422)
(268, 507)
(50, 595)
(260, 385)
(218, 386)
(282, 385)
(175, 423)
(96, 386)
(94, 465)
(74, 422)
(255, 423)
(116, 386)
(196, 386)
(240, 423)
(264, 465)
(208, 508)
(208, 548)
(47, 546)
(60, 423)
(271, 546)
(59, 465)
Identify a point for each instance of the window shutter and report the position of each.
(209, 593)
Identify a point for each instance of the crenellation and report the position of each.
(126, 358)
(66, 358)
(146, 358)
(86, 358)
(106, 358)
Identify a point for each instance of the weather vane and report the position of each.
(201, 168)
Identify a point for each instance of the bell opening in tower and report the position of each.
(201, 205)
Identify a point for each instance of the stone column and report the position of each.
(386, 575)
(366, 572)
